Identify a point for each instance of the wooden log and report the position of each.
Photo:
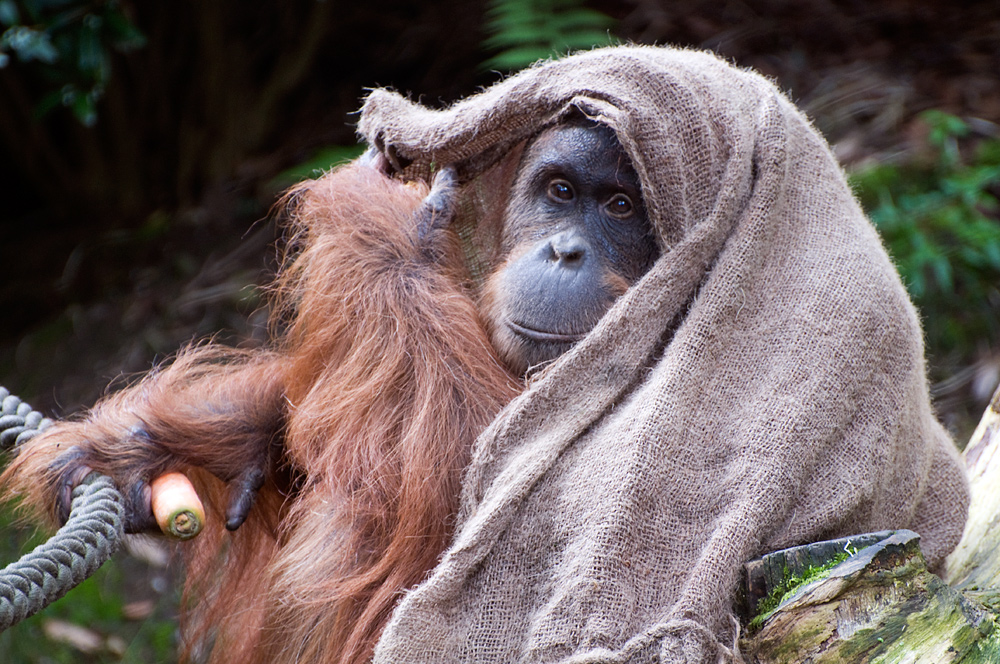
(871, 598)
(975, 563)
(764, 576)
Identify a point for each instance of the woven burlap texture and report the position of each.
(761, 387)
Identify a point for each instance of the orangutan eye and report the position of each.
(560, 190)
(620, 206)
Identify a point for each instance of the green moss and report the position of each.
(802, 639)
(985, 651)
(788, 585)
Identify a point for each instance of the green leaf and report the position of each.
(586, 40)
(323, 160)
(525, 32)
(992, 254)
(943, 273)
(519, 58)
(30, 44)
(520, 36)
(8, 12)
(84, 109)
(91, 55)
(124, 35)
(943, 126)
(988, 153)
(583, 18)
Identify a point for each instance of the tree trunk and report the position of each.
(881, 604)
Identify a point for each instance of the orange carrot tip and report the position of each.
(176, 506)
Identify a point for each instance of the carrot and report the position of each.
(176, 506)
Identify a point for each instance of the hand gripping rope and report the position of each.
(89, 538)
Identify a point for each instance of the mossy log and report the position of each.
(872, 599)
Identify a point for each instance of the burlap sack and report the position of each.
(762, 386)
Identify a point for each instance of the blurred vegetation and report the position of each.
(67, 44)
(939, 220)
(939, 216)
(525, 31)
(141, 141)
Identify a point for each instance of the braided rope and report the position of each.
(89, 538)
(18, 422)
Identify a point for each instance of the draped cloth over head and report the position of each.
(762, 386)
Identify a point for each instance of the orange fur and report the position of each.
(364, 410)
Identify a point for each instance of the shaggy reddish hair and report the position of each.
(363, 414)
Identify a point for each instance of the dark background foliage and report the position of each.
(142, 145)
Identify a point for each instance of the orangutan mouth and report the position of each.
(541, 336)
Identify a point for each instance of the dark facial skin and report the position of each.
(576, 236)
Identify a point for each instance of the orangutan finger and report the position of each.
(242, 494)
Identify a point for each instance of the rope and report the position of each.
(18, 422)
(89, 538)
